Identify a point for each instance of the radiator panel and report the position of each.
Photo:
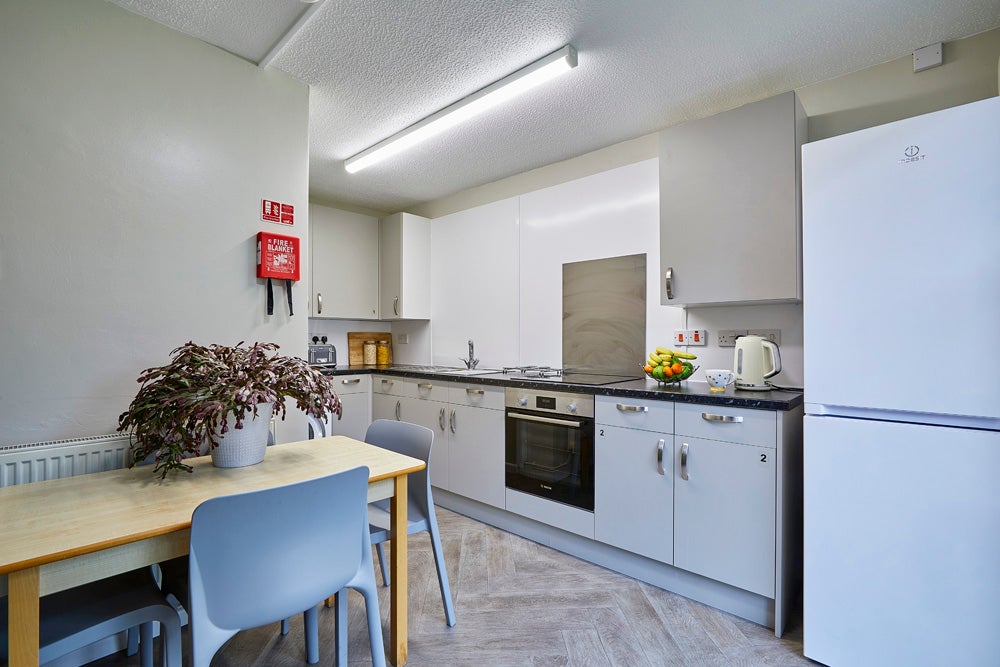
(39, 461)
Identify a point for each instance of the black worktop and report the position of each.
(685, 392)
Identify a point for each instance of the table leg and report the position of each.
(22, 621)
(397, 573)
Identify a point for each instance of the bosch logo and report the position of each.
(912, 154)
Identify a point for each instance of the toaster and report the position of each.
(322, 355)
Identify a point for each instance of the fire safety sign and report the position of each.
(275, 211)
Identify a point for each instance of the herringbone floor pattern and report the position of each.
(522, 604)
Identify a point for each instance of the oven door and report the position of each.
(551, 456)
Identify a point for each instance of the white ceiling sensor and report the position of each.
(505, 89)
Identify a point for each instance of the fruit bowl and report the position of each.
(673, 379)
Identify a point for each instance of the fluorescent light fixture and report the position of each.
(503, 90)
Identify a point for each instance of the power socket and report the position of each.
(773, 335)
(727, 337)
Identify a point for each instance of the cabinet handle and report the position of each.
(632, 408)
(387, 383)
(441, 419)
(319, 303)
(659, 458)
(395, 305)
(668, 281)
(475, 392)
(729, 419)
(354, 381)
(454, 422)
(397, 411)
(684, 461)
(425, 385)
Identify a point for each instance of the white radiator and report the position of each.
(37, 461)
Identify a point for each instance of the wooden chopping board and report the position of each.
(356, 341)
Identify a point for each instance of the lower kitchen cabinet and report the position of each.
(400, 399)
(724, 512)
(634, 491)
(476, 444)
(354, 392)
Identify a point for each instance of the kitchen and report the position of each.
(166, 257)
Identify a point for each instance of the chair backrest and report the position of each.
(412, 440)
(317, 428)
(263, 556)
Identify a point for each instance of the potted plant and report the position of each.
(206, 392)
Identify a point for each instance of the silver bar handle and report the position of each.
(395, 305)
(545, 420)
(684, 461)
(454, 421)
(632, 408)
(475, 392)
(668, 281)
(729, 419)
(319, 302)
(354, 381)
(425, 385)
(659, 458)
(397, 411)
(441, 419)
(387, 383)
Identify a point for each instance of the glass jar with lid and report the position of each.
(369, 353)
(382, 353)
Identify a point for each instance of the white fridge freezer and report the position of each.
(901, 451)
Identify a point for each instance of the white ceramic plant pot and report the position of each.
(245, 446)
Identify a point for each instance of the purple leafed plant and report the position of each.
(184, 404)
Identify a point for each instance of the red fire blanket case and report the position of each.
(278, 257)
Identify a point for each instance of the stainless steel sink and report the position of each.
(468, 371)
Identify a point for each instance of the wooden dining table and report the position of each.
(62, 533)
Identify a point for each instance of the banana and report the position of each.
(684, 355)
(665, 350)
(654, 358)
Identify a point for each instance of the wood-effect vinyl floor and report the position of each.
(519, 603)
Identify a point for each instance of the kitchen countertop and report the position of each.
(686, 392)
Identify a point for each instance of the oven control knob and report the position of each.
(522, 401)
(571, 407)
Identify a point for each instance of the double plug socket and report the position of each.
(727, 337)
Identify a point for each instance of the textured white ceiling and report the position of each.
(376, 66)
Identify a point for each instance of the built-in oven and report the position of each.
(550, 445)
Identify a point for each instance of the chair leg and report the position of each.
(442, 572)
(132, 641)
(341, 627)
(170, 638)
(374, 625)
(311, 622)
(380, 549)
(146, 644)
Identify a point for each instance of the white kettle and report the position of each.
(755, 360)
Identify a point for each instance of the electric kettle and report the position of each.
(755, 360)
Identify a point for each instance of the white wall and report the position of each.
(135, 159)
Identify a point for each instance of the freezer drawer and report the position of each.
(901, 543)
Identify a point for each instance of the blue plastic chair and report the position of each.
(415, 441)
(77, 617)
(306, 541)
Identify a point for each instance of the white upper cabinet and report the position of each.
(344, 264)
(404, 267)
(474, 285)
(730, 206)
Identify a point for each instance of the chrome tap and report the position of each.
(471, 362)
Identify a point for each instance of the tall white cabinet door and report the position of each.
(724, 512)
(474, 285)
(729, 205)
(404, 267)
(384, 406)
(476, 454)
(433, 415)
(633, 491)
(344, 265)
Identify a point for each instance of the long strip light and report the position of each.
(505, 89)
